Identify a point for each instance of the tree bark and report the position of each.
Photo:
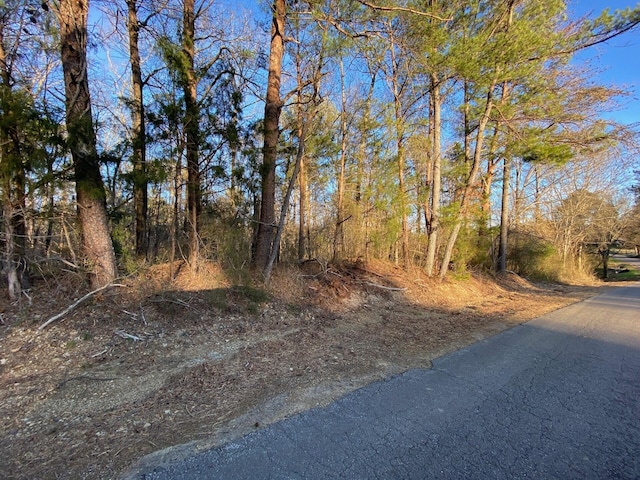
(192, 133)
(302, 182)
(139, 138)
(96, 244)
(338, 235)
(272, 109)
(433, 224)
(302, 179)
(13, 178)
(302, 226)
(487, 185)
(361, 197)
(285, 206)
(504, 217)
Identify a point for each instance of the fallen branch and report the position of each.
(76, 303)
(99, 353)
(142, 315)
(127, 336)
(395, 289)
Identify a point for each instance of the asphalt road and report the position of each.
(555, 398)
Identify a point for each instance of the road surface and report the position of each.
(555, 398)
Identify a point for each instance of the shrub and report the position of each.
(532, 257)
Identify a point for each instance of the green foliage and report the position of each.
(484, 246)
(175, 58)
(472, 251)
(608, 24)
(30, 132)
(227, 237)
(620, 271)
(472, 50)
(465, 251)
(532, 257)
(123, 246)
(537, 146)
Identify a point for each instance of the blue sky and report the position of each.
(618, 61)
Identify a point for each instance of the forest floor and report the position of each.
(137, 369)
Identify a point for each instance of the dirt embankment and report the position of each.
(139, 369)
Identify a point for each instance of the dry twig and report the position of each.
(76, 303)
(395, 289)
(128, 336)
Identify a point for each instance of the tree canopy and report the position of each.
(330, 130)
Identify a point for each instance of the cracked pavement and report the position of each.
(557, 397)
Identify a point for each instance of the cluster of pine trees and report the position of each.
(435, 134)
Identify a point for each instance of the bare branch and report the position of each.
(403, 9)
(76, 303)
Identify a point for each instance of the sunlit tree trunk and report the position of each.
(7, 170)
(302, 225)
(302, 173)
(504, 217)
(97, 247)
(487, 186)
(272, 109)
(13, 176)
(433, 220)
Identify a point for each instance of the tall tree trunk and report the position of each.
(487, 184)
(338, 235)
(175, 220)
(399, 122)
(433, 223)
(97, 247)
(302, 221)
(504, 217)
(468, 128)
(272, 109)
(361, 219)
(192, 133)
(50, 189)
(469, 184)
(506, 182)
(139, 138)
(285, 206)
(13, 183)
(537, 215)
(302, 179)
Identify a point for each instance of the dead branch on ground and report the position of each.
(71, 307)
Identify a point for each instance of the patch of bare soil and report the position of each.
(138, 369)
